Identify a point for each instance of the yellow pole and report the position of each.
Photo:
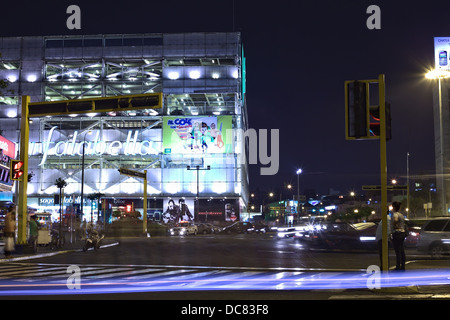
(383, 162)
(145, 202)
(22, 198)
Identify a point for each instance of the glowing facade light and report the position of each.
(194, 75)
(174, 75)
(32, 78)
(11, 114)
(12, 79)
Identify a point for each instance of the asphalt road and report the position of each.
(261, 251)
(233, 260)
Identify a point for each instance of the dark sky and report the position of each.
(299, 53)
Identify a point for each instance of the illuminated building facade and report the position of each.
(202, 79)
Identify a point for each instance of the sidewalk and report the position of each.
(23, 253)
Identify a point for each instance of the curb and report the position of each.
(50, 254)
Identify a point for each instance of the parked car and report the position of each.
(412, 240)
(184, 229)
(435, 237)
(239, 227)
(205, 228)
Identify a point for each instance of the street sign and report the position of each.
(132, 173)
(389, 188)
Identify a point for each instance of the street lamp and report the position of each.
(299, 171)
(439, 75)
(407, 183)
(82, 174)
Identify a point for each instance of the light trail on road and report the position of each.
(226, 281)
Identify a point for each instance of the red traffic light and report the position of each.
(16, 169)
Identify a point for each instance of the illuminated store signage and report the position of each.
(442, 53)
(8, 147)
(95, 147)
(188, 135)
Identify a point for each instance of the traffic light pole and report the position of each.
(145, 204)
(359, 127)
(23, 183)
(383, 173)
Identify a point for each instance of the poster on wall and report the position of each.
(442, 53)
(191, 135)
(178, 210)
(223, 210)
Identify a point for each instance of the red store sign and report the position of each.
(8, 147)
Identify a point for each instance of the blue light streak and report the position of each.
(235, 281)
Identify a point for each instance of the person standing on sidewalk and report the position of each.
(398, 235)
(33, 232)
(10, 231)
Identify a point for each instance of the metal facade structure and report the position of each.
(199, 75)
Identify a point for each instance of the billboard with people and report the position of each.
(194, 134)
(178, 210)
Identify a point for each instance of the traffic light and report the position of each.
(363, 119)
(357, 104)
(374, 122)
(129, 208)
(16, 170)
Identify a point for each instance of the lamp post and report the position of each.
(82, 174)
(299, 171)
(407, 183)
(439, 75)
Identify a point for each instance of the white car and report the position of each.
(184, 230)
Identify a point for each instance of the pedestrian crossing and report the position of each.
(167, 276)
(119, 278)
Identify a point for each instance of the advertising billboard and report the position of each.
(195, 134)
(7, 152)
(218, 210)
(442, 53)
(178, 210)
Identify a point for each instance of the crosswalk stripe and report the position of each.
(158, 274)
(40, 272)
(5, 275)
(129, 273)
(97, 273)
(64, 274)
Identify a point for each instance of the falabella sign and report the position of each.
(95, 147)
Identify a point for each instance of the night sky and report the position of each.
(299, 53)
